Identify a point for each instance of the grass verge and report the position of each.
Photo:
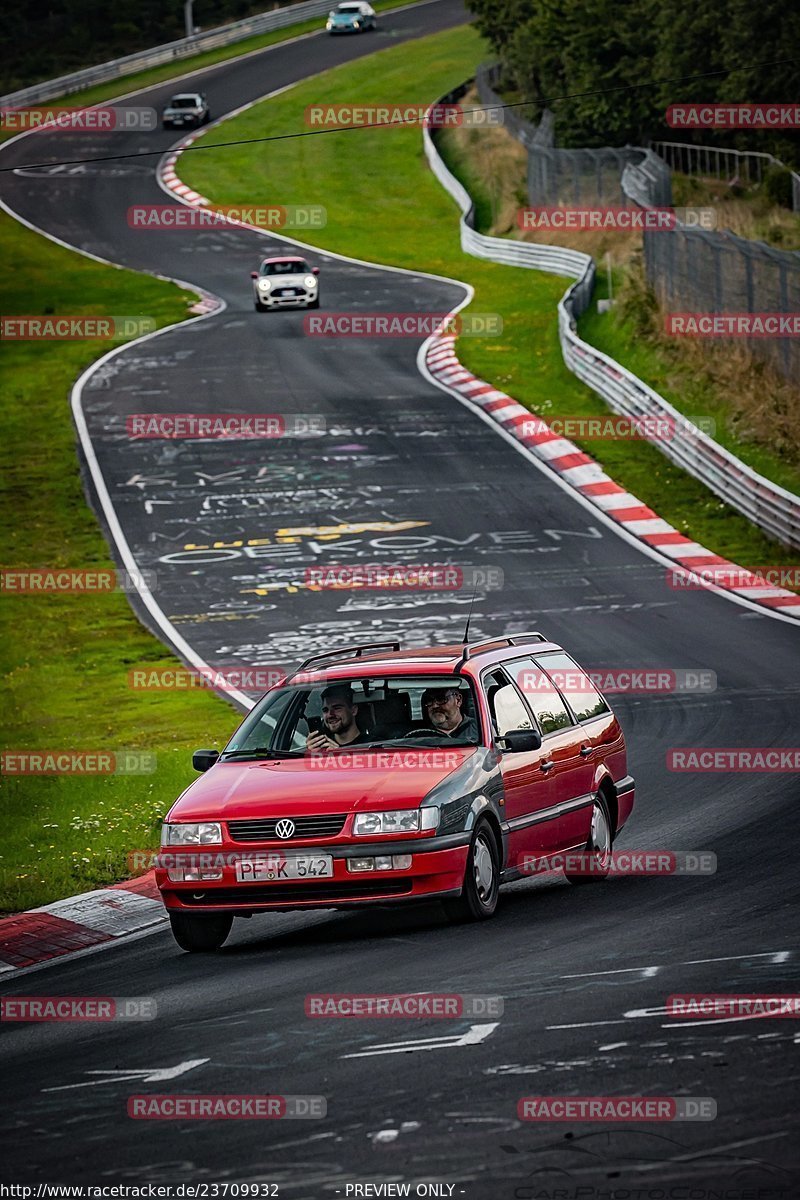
(412, 222)
(195, 62)
(65, 658)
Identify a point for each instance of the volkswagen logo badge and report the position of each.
(284, 829)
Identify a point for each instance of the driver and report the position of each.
(339, 719)
(443, 707)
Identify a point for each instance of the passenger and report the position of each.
(339, 720)
(443, 707)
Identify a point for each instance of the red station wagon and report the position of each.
(376, 775)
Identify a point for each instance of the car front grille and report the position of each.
(322, 826)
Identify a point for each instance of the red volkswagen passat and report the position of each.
(380, 775)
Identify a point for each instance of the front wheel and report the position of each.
(313, 303)
(596, 856)
(478, 899)
(200, 935)
(259, 307)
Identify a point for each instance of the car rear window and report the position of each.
(574, 684)
(541, 694)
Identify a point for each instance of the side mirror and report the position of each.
(315, 270)
(520, 740)
(202, 760)
(254, 274)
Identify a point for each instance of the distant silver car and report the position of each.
(185, 110)
(353, 16)
(285, 282)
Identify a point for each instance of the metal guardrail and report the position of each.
(211, 39)
(730, 165)
(767, 505)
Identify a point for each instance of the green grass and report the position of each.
(385, 205)
(65, 658)
(194, 62)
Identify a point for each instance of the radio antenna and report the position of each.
(465, 639)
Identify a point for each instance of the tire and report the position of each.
(259, 307)
(598, 847)
(313, 303)
(478, 899)
(200, 935)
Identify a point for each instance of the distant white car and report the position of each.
(353, 16)
(285, 282)
(184, 110)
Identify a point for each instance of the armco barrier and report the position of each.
(223, 35)
(768, 506)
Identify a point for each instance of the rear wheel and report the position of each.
(478, 898)
(200, 935)
(597, 852)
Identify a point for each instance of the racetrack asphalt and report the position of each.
(580, 970)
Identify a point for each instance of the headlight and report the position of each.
(310, 281)
(408, 820)
(264, 284)
(207, 834)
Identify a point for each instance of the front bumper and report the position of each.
(303, 300)
(436, 870)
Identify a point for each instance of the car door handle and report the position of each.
(547, 765)
(586, 750)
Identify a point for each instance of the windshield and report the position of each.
(349, 9)
(185, 102)
(293, 266)
(393, 711)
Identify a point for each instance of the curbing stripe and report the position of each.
(587, 477)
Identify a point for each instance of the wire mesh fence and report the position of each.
(689, 270)
(728, 166)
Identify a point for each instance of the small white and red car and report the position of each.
(285, 282)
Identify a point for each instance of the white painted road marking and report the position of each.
(474, 1035)
(144, 1074)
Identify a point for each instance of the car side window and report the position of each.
(542, 696)
(506, 705)
(574, 684)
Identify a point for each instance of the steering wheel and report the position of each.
(419, 733)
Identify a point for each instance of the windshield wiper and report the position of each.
(260, 752)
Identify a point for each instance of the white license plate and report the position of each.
(270, 868)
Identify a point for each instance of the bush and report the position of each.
(778, 186)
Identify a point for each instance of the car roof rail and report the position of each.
(514, 640)
(356, 651)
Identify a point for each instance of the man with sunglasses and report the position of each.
(443, 708)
